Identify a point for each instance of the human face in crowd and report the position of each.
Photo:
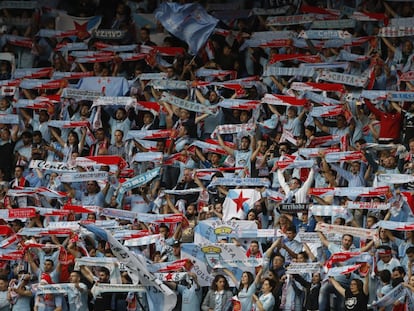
(294, 184)
(266, 288)
(5, 135)
(346, 242)
(411, 281)
(74, 277)
(353, 286)
(3, 285)
(340, 122)
(316, 278)
(4, 104)
(355, 167)
(120, 114)
(386, 258)
(184, 114)
(147, 118)
(221, 282)
(18, 172)
(254, 248)
(396, 275)
(91, 187)
(290, 235)
(245, 278)
(251, 216)
(177, 250)
(188, 176)
(48, 266)
(277, 262)
(118, 136)
(103, 277)
(164, 232)
(100, 135)
(383, 235)
(244, 144)
(370, 222)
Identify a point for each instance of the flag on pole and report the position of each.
(189, 22)
(238, 202)
(84, 26)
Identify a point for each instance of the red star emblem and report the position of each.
(82, 30)
(239, 201)
(169, 277)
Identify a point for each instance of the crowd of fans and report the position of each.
(319, 125)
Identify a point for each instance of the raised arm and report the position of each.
(337, 286)
(229, 150)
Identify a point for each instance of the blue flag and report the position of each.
(189, 22)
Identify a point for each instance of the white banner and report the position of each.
(83, 176)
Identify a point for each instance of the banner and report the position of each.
(213, 231)
(9, 119)
(299, 267)
(246, 182)
(207, 257)
(51, 166)
(360, 232)
(137, 268)
(332, 24)
(324, 34)
(293, 208)
(83, 26)
(337, 271)
(347, 79)
(284, 100)
(288, 71)
(107, 86)
(185, 104)
(137, 181)
(100, 288)
(114, 100)
(395, 178)
(393, 32)
(238, 202)
(350, 191)
(109, 34)
(83, 176)
(290, 20)
(368, 205)
(24, 5)
(189, 22)
(392, 296)
(81, 94)
(395, 225)
(169, 84)
(333, 157)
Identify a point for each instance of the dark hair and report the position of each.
(105, 270)
(250, 281)
(216, 279)
(385, 276)
(298, 180)
(350, 235)
(409, 250)
(359, 284)
(291, 228)
(246, 137)
(400, 269)
(51, 261)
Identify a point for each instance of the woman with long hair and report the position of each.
(247, 288)
(356, 296)
(219, 295)
(266, 301)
